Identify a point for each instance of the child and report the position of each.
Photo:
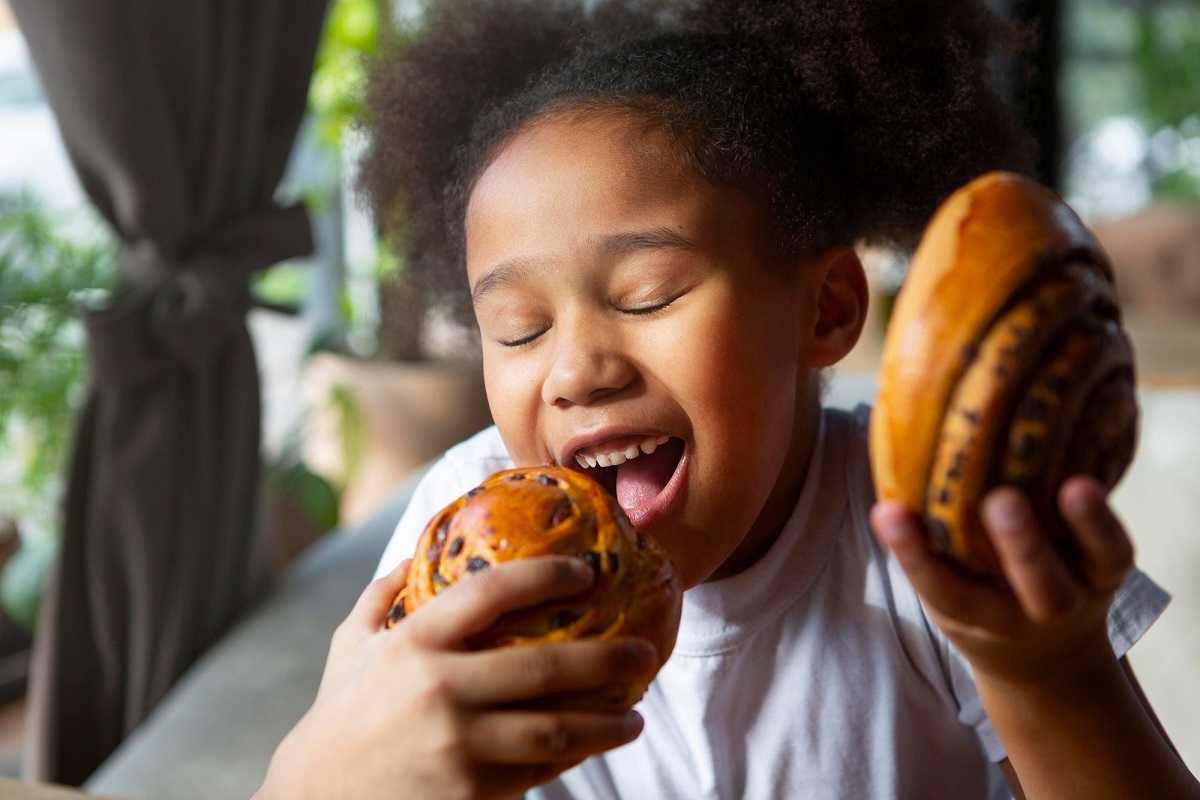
(656, 231)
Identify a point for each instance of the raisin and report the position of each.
(561, 513)
(1057, 383)
(562, 618)
(455, 547)
(956, 467)
(546, 480)
(612, 561)
(396, 613)
(442, 529)
(434, 554)
(475, 564)
(474, 492)
(939, 533)
(1035, 409)
(1028, 447)
(593, 561)
(439, 580)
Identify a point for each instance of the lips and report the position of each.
(644, 472)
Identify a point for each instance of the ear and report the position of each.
(839, 287)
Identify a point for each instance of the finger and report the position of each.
(943, 588)
(475, 602)
(371, 609)
(1037, 574)
(515, 674)
(545, 737)
(1104, 544)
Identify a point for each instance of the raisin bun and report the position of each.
(1004, 362)
(554, 511)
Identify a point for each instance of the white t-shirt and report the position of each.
(815, 673)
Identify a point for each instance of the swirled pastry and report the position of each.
(1004, 363)
(553, 511)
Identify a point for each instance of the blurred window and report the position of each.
(1130, 86)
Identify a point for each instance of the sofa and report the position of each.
(213, 735)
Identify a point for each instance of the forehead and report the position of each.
(576, 177)
(626, 155)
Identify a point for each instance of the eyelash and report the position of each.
(643, 311)
(524, 340)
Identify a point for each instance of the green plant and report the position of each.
(1166, 57)
(335, 94)
(45, 277)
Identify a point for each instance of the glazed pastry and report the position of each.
(1004, 363)
(553, 511)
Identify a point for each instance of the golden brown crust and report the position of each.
(1002, 277)
(522, 513)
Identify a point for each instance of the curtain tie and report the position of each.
(182, 312)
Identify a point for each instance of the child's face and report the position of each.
(623, 300)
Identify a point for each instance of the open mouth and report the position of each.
(638, 471)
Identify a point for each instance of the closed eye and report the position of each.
(641, 311)
(523, 340)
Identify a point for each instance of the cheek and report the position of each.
(513, 397)
(741, 364)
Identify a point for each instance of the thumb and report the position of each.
(370, 611)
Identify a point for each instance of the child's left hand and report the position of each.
(1049, 621)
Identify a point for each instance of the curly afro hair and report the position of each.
(855, 117)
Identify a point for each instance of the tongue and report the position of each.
(641, 480)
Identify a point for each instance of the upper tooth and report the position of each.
(647, 446)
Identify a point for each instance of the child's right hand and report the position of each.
(411, 712)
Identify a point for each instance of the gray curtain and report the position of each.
(179, 116)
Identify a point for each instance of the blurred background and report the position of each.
(363, 379)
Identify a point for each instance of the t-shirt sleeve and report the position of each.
(1137, 604)
(460, 469)
(435, 491)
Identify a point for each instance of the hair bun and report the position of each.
(554, 511)
(1004, 363)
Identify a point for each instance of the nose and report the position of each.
(586, 366)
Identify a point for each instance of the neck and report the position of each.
(782, 499)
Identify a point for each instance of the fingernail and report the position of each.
(640, 655)
(897, 531)
(634, 723)
(582, 570)
(1007, 513)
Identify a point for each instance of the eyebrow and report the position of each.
(510, 272)
(505, 274)
(652, 239)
